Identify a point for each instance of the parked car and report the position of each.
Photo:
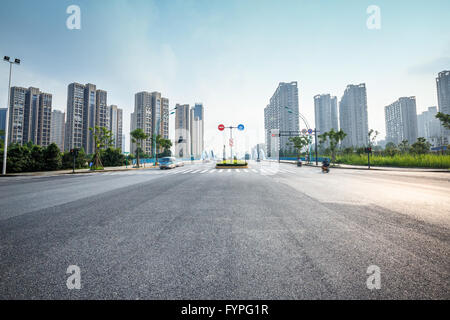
(167, 163)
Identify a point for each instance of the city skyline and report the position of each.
(204, 60)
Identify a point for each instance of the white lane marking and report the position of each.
(220, 170)
(237, 170)
(204, 171)
(229, 170)
(212, 170)
(255, 171)
(187, 171)
(245, 170)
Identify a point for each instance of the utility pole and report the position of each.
(5, 145)
(231, 142)
(315, 145)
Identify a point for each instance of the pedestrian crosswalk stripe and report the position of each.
(245, 170)
(237, 170)
(212, 170)
(203, 171)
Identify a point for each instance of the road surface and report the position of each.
(268, 232)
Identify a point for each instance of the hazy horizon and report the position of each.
(229, 55)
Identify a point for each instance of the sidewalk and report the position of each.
(79, 171)
(355, 167)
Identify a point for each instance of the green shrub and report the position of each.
(112, 157)
(399, 160)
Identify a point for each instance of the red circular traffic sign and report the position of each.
(221, 127)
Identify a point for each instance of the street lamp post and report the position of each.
(308, 127)
(5, 145)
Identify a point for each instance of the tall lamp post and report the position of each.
(157, 131)
(308, 127)
(5, 148)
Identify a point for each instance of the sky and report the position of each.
(229, 54)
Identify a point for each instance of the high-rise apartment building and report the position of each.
(326, 114)
(428, 126)
(3, 118)
(75, 117)
(143, 117)
(132, 128)
(353, 118)
(182, 131)
(197, 130)
(281, 114)
(443, 93)
(44, 119)
(89, 115)
(86, 108)
(30, 116)
(16, 115)
(57, 129)
(116, 119)
(151, 114)
(401, 120)
(102, 110)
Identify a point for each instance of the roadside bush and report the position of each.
(80, 162)
(399, 160)
(52, 158)
(112, 157)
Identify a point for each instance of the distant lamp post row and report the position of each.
(5, 148)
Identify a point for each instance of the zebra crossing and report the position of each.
(203, 171)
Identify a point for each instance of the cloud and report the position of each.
(431, 67)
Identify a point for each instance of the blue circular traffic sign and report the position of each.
(310, 131)
(240, 127)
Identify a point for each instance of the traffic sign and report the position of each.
(241, 127)
(310, 131)
(304, 131)
(221, 127)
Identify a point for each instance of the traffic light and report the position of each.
(368, 150)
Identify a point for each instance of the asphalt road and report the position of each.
(269, 232)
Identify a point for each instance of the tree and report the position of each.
(161, 143)
(372, 136)
(166, 144)
(445, 119)
(80, 160)
(404, 146)
(391, 149)
(421, 146)
(2, 135)
(334, 138)
(103, 138)
(299, 143)
(136, 137)
(112, 157)
(52, 157)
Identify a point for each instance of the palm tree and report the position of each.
(160, 142)
(137, 136)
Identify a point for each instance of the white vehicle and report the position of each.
(167, 163)
(179, 163)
